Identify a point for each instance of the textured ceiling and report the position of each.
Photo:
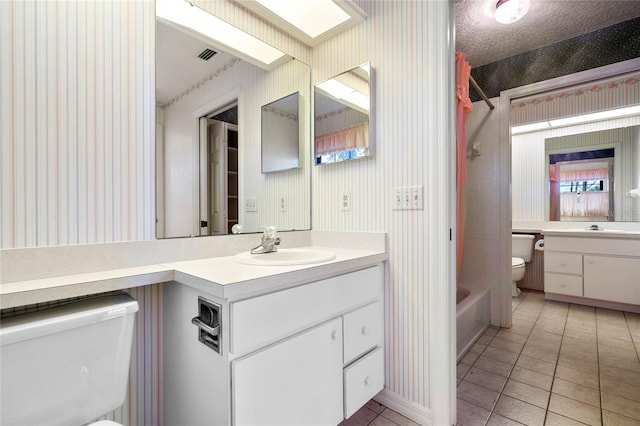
(483, 40)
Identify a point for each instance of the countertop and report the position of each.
(218, 276)
(581, 232)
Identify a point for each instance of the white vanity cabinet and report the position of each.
(612, 278)
(308, 354)
(592, 267)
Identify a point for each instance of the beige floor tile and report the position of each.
(477, 348)
(470, 358)
(491, 331)
(501, 343)
(462, 369)
(614, 419)
(581, 353)
(486, 379)
(616, 387)
(580, 342)
(382, 421)
(626, 360)
(543, 352)
(556, 328)
(620, 333)
(626, 345)
(524, 392)
(521, 328)
(575, 410)
(498, 420)
(478, 395)
(575, 391)
(545, 338)
(375, 406)
(485, 340)
(537, 365)
(397, 418)
(620, 405)
(579, 377)
(519, 411)
(554, 419)
(493, 365)
(585, 366)
(620, 375)
(532, 378)
(471, 415)
(362, 417)
(500, 355)
(509, 335)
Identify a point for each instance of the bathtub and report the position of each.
(473, 316)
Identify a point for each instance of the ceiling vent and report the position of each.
(206, 54)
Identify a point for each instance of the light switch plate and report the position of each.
(345, 201)
(250, 204)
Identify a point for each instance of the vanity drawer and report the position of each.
(362, 381)
(563, 262)
(265, 319)
(563, 284)
(361, 330)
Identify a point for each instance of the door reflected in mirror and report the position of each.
(342, 107)
(280, 138)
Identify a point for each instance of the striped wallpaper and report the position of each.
(406, 44)
(77, 87)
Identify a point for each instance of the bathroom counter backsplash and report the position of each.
(595, 233)
(218, 275)
(622, 229)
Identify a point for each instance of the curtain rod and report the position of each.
(480, 92)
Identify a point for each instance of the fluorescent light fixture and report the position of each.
(577, 119)
(225, 35)
(310, 21)
(341, 91)
(313, 17)
(526, 128)
(596, 116)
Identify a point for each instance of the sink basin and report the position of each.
(285, 257)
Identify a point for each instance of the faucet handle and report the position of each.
(270, 232)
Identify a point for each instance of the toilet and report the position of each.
(66, 365)
(521, 253)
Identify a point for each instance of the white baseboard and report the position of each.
(411, 410)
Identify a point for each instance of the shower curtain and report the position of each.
(463, 108)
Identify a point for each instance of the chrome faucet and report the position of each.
(268, 242)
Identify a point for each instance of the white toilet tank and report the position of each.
(66, 365)
(522, 246)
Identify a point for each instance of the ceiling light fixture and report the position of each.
(577, 119)
(311, 21)
(510, 11)
(223, 35)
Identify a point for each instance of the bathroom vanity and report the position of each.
(241, 343)
(308, 354)
(599, 268)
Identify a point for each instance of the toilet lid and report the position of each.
(517, 261)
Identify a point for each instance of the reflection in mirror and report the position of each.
(342, 111)
(280, 138)
(590, 176)
(199, 189)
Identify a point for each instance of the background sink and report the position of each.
(284, 257)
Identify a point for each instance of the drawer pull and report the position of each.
(367, 381)
(334, 334)
(365, 330)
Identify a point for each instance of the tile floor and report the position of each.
(376, 414)
(560, 364)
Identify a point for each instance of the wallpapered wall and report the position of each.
(609, 45)
(405, 42)
(77, 89)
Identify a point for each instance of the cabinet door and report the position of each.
(616, 279)
(295, 382)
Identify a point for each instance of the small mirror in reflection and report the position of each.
(341, 108)
(280, 137)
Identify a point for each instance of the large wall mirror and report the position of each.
(342, 106)
(583, 172)
(209, 165)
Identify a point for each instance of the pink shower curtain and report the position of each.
(463, 108)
